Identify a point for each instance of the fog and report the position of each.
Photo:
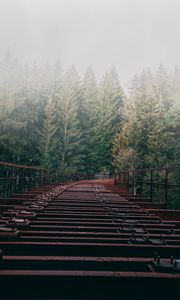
(128, 34)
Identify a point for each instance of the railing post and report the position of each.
(115, 179)
(49, 177)
(141, 184)
(10, 181)
(44, 178)
(128, 181)
(40, 179)
(166, 188)
(151, 185)
(21, 180)
(34, 178)
(133, 184)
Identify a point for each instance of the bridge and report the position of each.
(66, 237)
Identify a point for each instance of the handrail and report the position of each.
(159, 184)
(22, 166)
(17, 178)
(155, 169)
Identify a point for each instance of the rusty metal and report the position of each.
(17, 178)
(160, 185)
(90, 241)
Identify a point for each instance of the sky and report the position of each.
(130, 35)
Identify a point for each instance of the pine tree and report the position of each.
(109, 121)
(146, 125)
(88, 120)
(48, 137)
(69, 132)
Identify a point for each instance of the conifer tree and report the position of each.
(69, 150)
(48, 136)
(89, 119)
(146, 124)
(109, 121)
(83, 127)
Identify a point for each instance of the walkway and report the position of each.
(83, 241)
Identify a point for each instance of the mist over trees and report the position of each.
(54, 118)
(150, 135)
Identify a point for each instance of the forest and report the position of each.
(53, 118)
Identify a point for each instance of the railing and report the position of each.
(16, 178)
(159, 184)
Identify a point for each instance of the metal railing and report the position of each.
(15, 178)
(159, 184)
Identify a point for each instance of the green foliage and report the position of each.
(109, 118)
(54, 119)
(151, 123)
(48, 136)
(67, 99)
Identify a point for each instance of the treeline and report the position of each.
(150, 135)
(56, 119)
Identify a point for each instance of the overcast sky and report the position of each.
(128, 34)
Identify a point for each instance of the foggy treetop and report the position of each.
(58, 119)
(86, 119)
